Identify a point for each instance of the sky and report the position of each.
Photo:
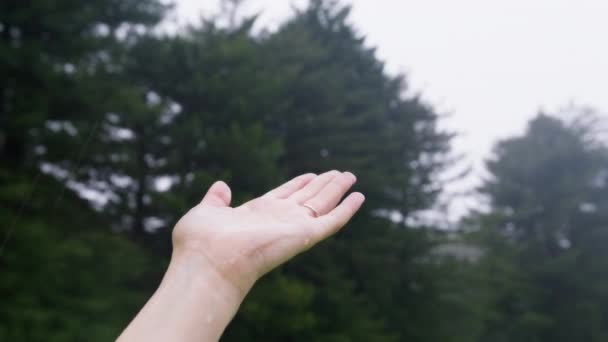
(488, 65)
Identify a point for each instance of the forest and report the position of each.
(111, 129)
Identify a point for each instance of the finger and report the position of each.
(313, 187)
(218, 195)
(329, 224)
(328, 197)
(285, 190)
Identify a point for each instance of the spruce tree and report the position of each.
(60, 282)
(548, 221)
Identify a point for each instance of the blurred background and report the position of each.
(477, 131)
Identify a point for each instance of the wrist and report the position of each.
(208, 276)
(192, 294)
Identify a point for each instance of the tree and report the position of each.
(53, 57)
(221, 102)
(49, 45)
(338, 103)
(547, 194)
(260, 109)
(64, 285)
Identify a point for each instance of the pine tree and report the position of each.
(341, 110)
(59, 281)
(548, 220)
(260, 109)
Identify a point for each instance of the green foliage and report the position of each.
(211, 102)
(109, 132)
(548, 219)
(314, 98)
(64, 277)
(51, 293)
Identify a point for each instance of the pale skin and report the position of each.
(219, 252)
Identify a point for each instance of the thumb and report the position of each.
(218, 195)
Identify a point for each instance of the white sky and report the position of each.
(489, 64)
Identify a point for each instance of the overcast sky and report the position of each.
(489, 64)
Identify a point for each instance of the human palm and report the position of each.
(245, 242)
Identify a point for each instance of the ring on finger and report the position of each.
(314, 211)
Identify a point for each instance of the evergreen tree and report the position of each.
(268, 107)
(548, 221)
(50, 45)
(341, 110)
(65, 277)
(211, 102)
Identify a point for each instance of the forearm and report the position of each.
(192, 303)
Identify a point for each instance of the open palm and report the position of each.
(245, 242)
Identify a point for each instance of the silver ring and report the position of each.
(315, 212)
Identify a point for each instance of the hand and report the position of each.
(219, 252)
(245, 242)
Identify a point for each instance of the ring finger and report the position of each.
(329, 196)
